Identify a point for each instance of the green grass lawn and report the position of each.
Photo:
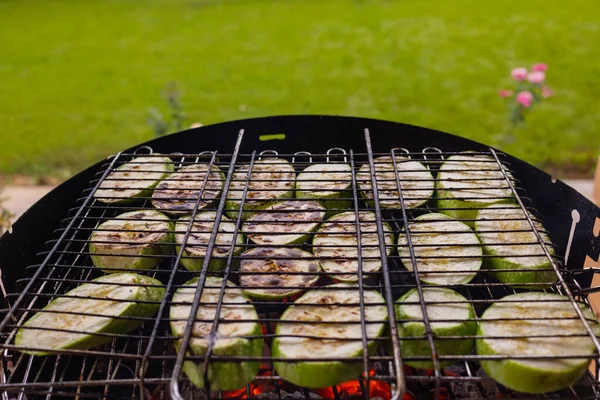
(77, 77)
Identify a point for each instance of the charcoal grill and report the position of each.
(46, 254)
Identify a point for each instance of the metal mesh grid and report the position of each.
(145, 363)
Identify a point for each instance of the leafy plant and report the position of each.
(174, 121)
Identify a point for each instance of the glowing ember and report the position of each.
(235, 394)
(351, 388)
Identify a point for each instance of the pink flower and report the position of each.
(547, 92)
(519, 74)
(524, 98)
(540, 67)
(505, 93)
(536, 77)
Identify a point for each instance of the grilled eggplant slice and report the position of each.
(231, 336)
(468, 182)
(328, 183)
(132, 241)
(447, 251)
(177, 194)
(95, 307)
(511, 244)
(335, 303)
(275, 273)
(134, 179)
(446, 304)
(542, 324)
(200, 234)
(335, 242)
(415, 179)
(271, 179)
(285, 222)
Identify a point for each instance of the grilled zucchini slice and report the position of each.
(200, 234)
(500, 231)
(436, 235)
(328, 183)
(134, 179)
(285, 222)
(99, 306)
(177, 194)
(232, 336)
(467, 182)
(133, 240)
(271, 179)
(542, 324)
(415, 179)
(335, 242)
(275, 273)
(335, 303)
(445, 305)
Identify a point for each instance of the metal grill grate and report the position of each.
(145, 362)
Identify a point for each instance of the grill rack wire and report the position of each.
(145, 360)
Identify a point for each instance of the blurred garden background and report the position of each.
(78, 78)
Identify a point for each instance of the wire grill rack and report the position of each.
(145, 363)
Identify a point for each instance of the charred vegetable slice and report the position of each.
(286, 222)
(335, 242)
(99, 306)
(134, 179)
(511, 244)
(415, 179)
(441, 304)
(542, 324)
(133, 240)
(200, 234)
(447, 251)
(338, 304)
(238, 321)
(329, 183)
(276, 273)
(467, 182)
(178, 193)
(271, 179)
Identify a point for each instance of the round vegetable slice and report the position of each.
(329, 183)
(542, 324)
(133, 240)
(466, 183)
(285, 222)
(178, 193)
(277, 273)
(336, 303)
(336, 243)
(510, 242)
(445, 250)
(134, 179)
(445, 304)
(416, 182)
(200, 234)
(271, 179)
(237, 322)
(98, 306)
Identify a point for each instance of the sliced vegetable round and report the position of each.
(99, 306)
(178, 193)
(271, 179)
(415, 179)
(133, 240)
(467, 182)
(237, 322)
(336, 243)
(336, 303)
(447, 251)
(542, 324)
(329, 183)
(285, 222)
(199, 237)
(277, 273)
(445, 305)
(511, 243)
